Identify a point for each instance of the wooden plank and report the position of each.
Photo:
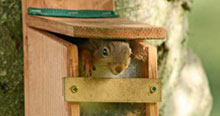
(107, 28)
(47, 57)
(148, 54)
(127, 90)
(73, 64)
(73, 4)
(152, 109)
(25, 46)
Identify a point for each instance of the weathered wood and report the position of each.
(127, 90)
(107, 28)
(47, 63)
(73, 4)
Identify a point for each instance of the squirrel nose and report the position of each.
(118, 69)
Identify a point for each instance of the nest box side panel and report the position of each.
(152, 109)
(73, 4)
(47, 64)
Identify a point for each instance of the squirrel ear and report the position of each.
(95, 42)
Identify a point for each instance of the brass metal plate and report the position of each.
(135, 90)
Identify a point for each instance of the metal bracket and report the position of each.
(127, 90)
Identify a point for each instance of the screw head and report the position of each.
(74, 89)
(153, 89)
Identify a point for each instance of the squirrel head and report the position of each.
(114, 54)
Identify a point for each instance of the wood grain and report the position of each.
(107, 28)
(126, 90)
(47, 63)
(73, 4)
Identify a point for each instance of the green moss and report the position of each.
(11, 59)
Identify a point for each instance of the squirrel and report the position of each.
(114, 54)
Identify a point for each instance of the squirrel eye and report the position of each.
(105, 52)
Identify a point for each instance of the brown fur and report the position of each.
(117, 60)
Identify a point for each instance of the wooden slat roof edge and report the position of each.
(124, 32)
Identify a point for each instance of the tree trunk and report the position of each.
(185, 86)
(11, 59)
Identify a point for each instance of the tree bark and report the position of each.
(11, 59)
(185, 86)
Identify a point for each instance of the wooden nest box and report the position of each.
(49, 58)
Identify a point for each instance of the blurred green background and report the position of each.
(204, 39)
